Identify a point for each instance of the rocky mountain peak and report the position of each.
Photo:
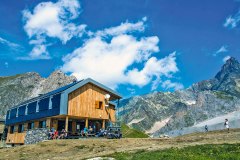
(232, 66)
(18, 88)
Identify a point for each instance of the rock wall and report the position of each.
(36, 135)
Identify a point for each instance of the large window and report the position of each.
(20, 128)
(31, 125)
(12, 129)
(42, 124)
(99, 104)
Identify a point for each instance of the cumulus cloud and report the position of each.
(52, 20)
(117, 60)
(226, 58)
(232, 21)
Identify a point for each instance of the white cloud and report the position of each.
(153, 68)
(168, 85)
(232, 21)
(123, 28)
(117, 60)
(222, 49)
(9, 44)
(53, 20)
(226, 58)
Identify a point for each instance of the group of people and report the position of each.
(91, 131)
(54, 134)
(226, 124)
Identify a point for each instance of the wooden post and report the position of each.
(36, 124)
(103, 124)
(74, 125)
(48, 123)
(86, 123)
(66, 123)
(55, 124)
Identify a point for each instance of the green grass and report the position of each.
(198, 152)
(132, 133)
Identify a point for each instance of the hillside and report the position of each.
(89, 148)
(132, 133)
(180, 112)
(21, 87)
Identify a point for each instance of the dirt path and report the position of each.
(88, 148)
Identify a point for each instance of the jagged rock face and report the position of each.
(21, 87)
(226, 80)
(160, 113)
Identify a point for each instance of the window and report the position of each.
(50, 103)
(17, 113)
(42, 124)
(37, 107)
(99, 104)
(31, 125)
(26, 110)
(20, 128)
(11, 129)
(9, 114)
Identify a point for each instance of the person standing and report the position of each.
(206, 128)
(226, 124)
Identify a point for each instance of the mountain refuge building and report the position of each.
(72, 107)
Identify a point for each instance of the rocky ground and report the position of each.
(90, 148)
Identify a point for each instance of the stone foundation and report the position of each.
(36, 135)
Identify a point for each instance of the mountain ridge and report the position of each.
(21, 87)
(163, 112)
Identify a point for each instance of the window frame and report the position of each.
(12, 129)
(20, 128)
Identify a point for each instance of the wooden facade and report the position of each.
(84, 102)
(86, 106)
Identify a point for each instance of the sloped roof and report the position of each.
(71, 87)
(61, 89)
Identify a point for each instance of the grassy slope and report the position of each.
(211, 145)
(132, 133)
(199, 152)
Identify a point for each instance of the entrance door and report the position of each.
(61, 125)
(80, 125)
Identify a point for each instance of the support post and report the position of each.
(103, 124)
(86, 123)
(48, 123)
(66, 124)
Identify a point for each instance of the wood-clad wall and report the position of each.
(17, 138)
(82, 103)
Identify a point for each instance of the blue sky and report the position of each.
(135, 47)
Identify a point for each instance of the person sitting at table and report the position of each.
(90, 130)
(101, 133)
(55, 135)
(63, 134)
(85, 130)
